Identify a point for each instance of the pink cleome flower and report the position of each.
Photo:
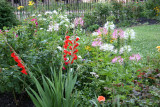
(135, 57)
(118, 32)
(117, 59)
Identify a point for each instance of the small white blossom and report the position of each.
(60, 48)
(55, 12)
(127, 48)
(95, 34)
(72, 25)
(56, 27)
(94, 74)
(33, 15)
(48, 12)
(129, 33)
(79, 57)
(50, 28)
(39, 15)
(109, 25)
(107, 47)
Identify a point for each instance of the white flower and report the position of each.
(55, 12)
(33, 15)
(129, 33)
(107, 47)
(109, 25)
(50, 28)
(95, 34)
(61, 17)
(127, 48)
(79, 57)
(66, 25)
(48, 12)
(115, 51)
(66, 19)
(56, 27)
(41, 28)
(94, 74)
(39, 15)
(72, 25)
(121, 50)
(60, 48)
(62, 22)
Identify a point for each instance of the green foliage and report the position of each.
(7, 16)
(54, 92)
(122, 14)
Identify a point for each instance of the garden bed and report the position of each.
(7, 100)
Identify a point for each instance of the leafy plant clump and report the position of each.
(7, 16)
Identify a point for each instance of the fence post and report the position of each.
(12, 2)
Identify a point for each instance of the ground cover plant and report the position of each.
(58, 63)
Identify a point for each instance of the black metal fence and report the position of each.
(70, 6)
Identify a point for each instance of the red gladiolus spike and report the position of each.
(77, 39)
(67, 41)
(76, 50)
(65, 46)
(75, 57)
(70, 42)
(72, 62)
(69, 53)
(65, 59)
(64, 56)
(66, 63)
(65, 51)
(70, 47)
(13, 55)
(16, 59)
(67, 37)
(21, 65)
(24, 71)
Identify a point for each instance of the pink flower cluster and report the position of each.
(97, 42)
(118, 32)
(135, 57)
(102, 30)
(35, 20)
(78, 21)
(117, 59)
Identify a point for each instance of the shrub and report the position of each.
(7, 16)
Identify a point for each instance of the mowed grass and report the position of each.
(147, 39)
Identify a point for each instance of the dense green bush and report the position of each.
(7, 16)
(122, 14)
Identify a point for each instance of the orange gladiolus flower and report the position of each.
(101, 98)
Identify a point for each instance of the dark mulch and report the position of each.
(7, 100)
(149, 21)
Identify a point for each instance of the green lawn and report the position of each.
(147, 38)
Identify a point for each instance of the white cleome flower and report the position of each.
(107, 47)
(50, 28)
(48, 12)
(72, 25)
(60, 48)
(95, 34)
(129, 33)
(55, 12)
(109, 25)
(127, 48)
(56, 27)
(39, 15)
